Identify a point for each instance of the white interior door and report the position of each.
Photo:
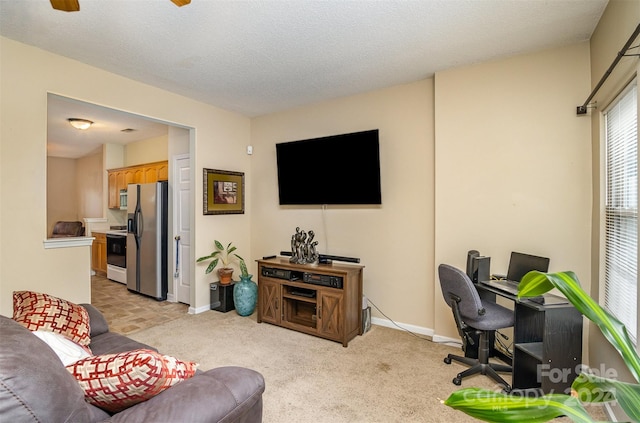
(182, 229)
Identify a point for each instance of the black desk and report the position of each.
(547, 352)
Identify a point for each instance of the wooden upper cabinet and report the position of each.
(120, 178)
(150, 174)
(138, 177)
(129, 177)
(163, 171)
(114, 196)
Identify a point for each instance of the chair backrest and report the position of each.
(67, 229)
(456, 284)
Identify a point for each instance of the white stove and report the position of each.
(117, 255)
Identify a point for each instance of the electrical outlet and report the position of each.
(249, 149)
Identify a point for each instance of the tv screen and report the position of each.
(339, 169)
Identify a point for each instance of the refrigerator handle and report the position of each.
(139, 223)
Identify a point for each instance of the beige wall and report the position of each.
(513, 164)
(614, 29)
(62, 193)
(89, 179)
(147, 151)
(70, 197)
(27, 75)
(394, 241)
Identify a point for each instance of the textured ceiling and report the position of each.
(261, 56)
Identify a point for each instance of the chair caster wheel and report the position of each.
(457, 381)
(447, 360)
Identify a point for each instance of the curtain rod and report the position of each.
(582, 110)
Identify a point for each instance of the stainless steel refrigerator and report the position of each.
(147, 239)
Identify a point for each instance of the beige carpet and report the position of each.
(386, 375)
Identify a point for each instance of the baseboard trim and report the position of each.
(402, 326)
(199, 309)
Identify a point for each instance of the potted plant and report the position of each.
(226, 256)
(493, 406)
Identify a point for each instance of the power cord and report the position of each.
(424, 338)
(506, 348)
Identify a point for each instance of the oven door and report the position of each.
(117, 250)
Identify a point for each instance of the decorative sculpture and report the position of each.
(303, 248)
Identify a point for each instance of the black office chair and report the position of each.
(477, 317)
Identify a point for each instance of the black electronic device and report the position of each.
(327, 259)
(273, 272)
(478, 266)
(338, 169)
(301, 292)
(324, 280)
(472, 268)
(520, 264)
(483, 269)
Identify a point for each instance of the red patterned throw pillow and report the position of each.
(114, 382)
(37, 311)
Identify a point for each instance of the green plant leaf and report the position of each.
(211, 266)
(592, 388)
(243, 267)
(205, 258)
(219, 246)
(612, 329)
(493, 406)
(231, 250)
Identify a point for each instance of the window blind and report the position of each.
(621, 210)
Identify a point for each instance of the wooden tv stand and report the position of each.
(330, 312)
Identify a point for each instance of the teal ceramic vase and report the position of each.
(245, 295)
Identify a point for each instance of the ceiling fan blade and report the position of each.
(181, 3)
(66, 5)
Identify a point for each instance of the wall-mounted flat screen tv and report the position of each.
(338, 169)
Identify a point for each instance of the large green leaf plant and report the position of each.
(225, 255)
(494, 406)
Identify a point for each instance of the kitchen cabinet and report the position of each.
(99, 253)
(147, 173)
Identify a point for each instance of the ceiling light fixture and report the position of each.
(81, 124)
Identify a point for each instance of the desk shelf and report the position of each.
(547, 344)
(534, 349)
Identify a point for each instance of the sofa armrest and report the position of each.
(97, 323)
(225, 394)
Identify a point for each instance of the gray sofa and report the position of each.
(36, 387)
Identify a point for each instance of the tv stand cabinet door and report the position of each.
(330, 315)
(269, 304)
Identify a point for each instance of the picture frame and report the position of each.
(223, 192)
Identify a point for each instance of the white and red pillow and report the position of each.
(114, 382)
(44, 312)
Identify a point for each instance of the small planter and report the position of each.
(225, 275)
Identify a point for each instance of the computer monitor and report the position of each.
(520, 264)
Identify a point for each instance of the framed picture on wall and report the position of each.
(223, 192)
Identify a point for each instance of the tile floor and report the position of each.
(128, 312)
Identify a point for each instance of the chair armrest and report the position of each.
(97, 323)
